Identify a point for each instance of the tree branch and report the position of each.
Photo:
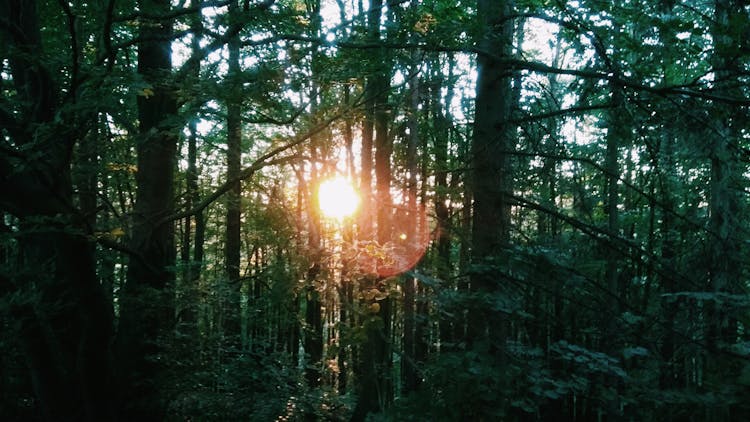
(174, 13)
(561, 112)
(75, 60)
(264, 160)
(514, 64)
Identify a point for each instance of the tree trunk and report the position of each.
(492, 176)
(146, 310)
(610, 306)
(441, 136)
(493, 138)
(192, 243)
(65, 321)
(725, 249)
(313, 339)
(346, 289)
(410, 379)
(233, 244)
(374, 386)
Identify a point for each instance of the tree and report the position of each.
(578, 167)
(374, 375)
(234, 196)
(492, 175)
(146, 311)
(65, 323)
(724, 271)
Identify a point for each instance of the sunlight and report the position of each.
(337, 198)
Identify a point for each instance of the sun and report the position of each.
(337, 198)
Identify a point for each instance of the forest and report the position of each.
(374, 210)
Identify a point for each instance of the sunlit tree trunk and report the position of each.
(313, 318)
(410, 379)
(374, 369)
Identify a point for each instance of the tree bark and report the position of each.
(146, 311)
(441, 138)
(725, 249)
(493, 137)
(233, 244)
(374, 369)
(409, 375)
(193, 239)
(492, 178)
(65, 321)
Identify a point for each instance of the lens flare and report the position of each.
(337, 198)
(409, 239)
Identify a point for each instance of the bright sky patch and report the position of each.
(337, 198)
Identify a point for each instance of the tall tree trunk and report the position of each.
(492, 175)
(345, 288)
(233, 243)
(410, 379)
(146, 311)
(313, 339)
(441, 137)
(725, 256)
(192, 240)
(493, 138)
(65, 321)
(313, 312)
(383, 151)
(610, 306)
(464, 253)
(374, 386)
(670, 372)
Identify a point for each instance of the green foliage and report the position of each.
(646, 321)
(254, 386)
(458, 385)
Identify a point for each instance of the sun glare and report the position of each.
(337, 198)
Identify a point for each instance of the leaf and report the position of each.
(146, 92)
(631, 318)
(630, 352)
(117, 232)
(742, 348)
(425, 23)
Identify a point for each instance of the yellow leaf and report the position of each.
(128, 168)
(146, 92)
(374, 308)
(117, 232)
(425, 23)
(299, 6)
